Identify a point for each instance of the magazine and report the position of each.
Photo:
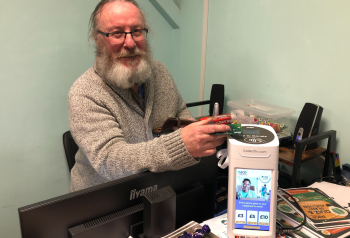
(283, 223)
(321, 211)
(289, 214)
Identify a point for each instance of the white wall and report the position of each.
(43, 50)
(286, 53)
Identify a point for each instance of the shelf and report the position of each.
(287, 154)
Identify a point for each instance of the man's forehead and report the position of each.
(120, 14)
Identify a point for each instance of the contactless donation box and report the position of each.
(252, 188)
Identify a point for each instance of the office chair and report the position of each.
(216, 95)
(70, 148)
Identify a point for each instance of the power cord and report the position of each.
(290, 230)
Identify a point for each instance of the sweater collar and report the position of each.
(126, 94)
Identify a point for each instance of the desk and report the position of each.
(287, 156)
(218, 225)
(296, 156)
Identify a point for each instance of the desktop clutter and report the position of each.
(256, 207)
(250, 200)
(252, 155)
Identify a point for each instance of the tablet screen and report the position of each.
(253, 190)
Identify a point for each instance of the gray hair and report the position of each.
(93, 23)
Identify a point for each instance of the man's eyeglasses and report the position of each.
(118, 37)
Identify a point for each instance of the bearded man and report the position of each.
(115, 105)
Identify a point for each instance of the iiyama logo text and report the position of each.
(135, 194)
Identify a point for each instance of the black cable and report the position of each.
(290, 230)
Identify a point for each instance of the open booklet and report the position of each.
(324, 216)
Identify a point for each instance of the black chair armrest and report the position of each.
(194, 104)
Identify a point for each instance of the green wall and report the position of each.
(188, 51)
(284, 52)
(44, 49)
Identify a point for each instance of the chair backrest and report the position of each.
(71, 148)
(217, 94)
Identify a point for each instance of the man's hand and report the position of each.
(198, 140)
(182, 126)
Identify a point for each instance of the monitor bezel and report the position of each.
(57, 215)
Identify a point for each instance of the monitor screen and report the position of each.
(253, 189)
(54, 217)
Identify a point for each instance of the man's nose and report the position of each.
(129, 41)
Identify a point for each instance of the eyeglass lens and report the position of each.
(119, 37)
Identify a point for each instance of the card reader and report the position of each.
(252, 188)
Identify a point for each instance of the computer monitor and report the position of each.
(195, 189)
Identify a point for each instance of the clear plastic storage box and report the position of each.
(252, 111)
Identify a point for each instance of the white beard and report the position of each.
(117, 74)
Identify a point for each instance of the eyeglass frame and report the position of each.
(125, 33)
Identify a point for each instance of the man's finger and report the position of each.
(209, 145)
(208, 152)
(210, 129)
(214, 143)
(208, 137)
(205, 122)
(191, 119)
(219, 142)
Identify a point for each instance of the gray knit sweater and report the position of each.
(114, 135)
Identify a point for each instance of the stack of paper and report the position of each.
(281, 222)
(324, 216)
